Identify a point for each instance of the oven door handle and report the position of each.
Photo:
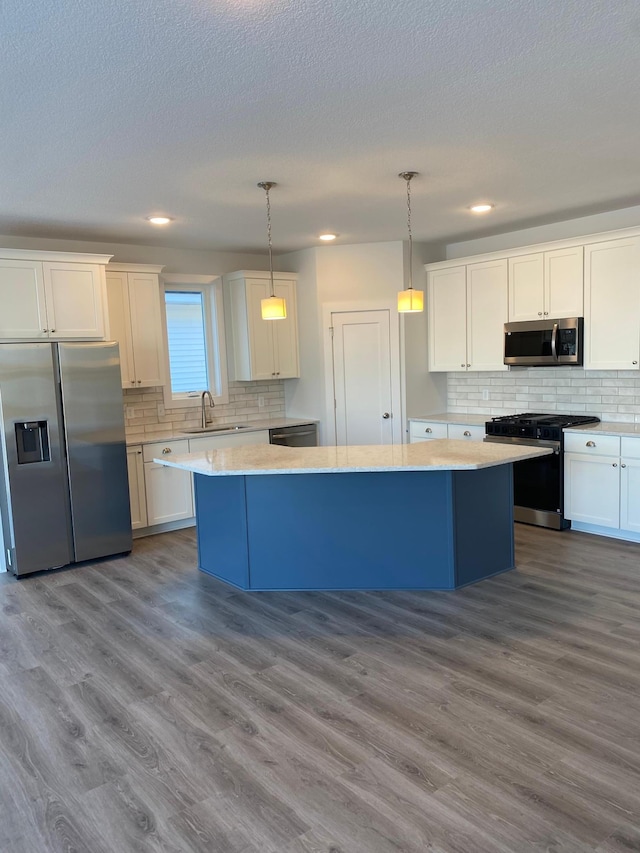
(554, 341)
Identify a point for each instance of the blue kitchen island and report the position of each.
(432, 515)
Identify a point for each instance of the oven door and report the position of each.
(538, 485)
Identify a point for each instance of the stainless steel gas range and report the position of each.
(538, 484)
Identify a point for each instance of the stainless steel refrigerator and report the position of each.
(64, 494)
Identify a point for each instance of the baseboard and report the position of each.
(611, 532)
(164, 528)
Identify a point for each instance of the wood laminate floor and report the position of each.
(147, 707)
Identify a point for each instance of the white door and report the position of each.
(260, 331)
(120, 323)
(612, 305)
(564, 282)
(630, 495)
(285, 333)
(147, 340)
(362, 377)
(74, 294)
(592, 489)
(487, 312)
(526, 287)
(447, 318)
(23, 313)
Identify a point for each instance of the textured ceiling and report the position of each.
(115, 110)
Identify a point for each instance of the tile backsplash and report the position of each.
(145, 413)
(612, 395)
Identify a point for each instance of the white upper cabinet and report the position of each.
(467, 309)
(135, 318)
(257, 348)
(612, 305)
(546, 284)
(47, 295)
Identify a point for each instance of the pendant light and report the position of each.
(273, 307)
(410, 301)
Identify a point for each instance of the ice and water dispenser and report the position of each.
(32, 442)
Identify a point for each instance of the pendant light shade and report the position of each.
(273, 307)
(410, 301)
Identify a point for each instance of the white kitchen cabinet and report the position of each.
(612, 305)
(428, 430)
(135, 317)
(630, 493)
(52, 295)
(592, 489)
(547, 284)
(467, 308)
(169, 491)
(257, 348)
(137, 497)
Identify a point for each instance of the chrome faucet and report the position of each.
(203, 396)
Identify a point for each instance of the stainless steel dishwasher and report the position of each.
(304, 435)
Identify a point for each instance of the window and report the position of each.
(195, 339)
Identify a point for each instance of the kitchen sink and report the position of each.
(228, 428)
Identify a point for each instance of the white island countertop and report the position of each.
(436, 455)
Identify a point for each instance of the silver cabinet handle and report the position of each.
(590, 444)
(615, 464)
(466, 432)
(468, 365)
(133, 381)
(428, 429)
(139, 452)
(52, 330)
(539, 313)
(166, 450)
(386, 416)
(623, 465)
(44, 331)
(546, 313)
(634, 362)
(462, 365)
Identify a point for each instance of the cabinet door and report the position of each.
(260, 331)
(285, 333)
(120, 323)
(592, 489)
(612, 305)
(137, 496)
(630, 495)
(147, 338)
(447, 306)
(169, 493)
(466, 433)
(75, 300)
(487, 295)
(564, 282)
(526, 287)
(23, 313)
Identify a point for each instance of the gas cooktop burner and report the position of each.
(547, 419)
(544, 427)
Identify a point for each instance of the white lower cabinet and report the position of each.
(602, 481)
(137, 495)
(428, 430)
(169, 491)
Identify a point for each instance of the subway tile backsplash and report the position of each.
(612, 395)
(145, 413)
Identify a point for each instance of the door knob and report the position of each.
(386, 415)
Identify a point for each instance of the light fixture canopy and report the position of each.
(273, 307)
(159, 220)
(410, 301)
(485, 207)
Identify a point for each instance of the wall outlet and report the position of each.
(129, 412)
(485, 393)
(261, 401)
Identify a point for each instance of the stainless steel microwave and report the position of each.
(544, 343)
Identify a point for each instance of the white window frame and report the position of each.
(210, 286)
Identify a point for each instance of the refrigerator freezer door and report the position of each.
(96, 449)
(33, 495)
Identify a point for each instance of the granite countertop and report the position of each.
(252, 426)
(437, 455)
(607, 428)
(477, 419)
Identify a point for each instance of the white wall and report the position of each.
(175, 260)
(628, 217)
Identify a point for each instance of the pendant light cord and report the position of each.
(408, 179)
(267, 188)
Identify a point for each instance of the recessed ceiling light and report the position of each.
(327, 237)
(159, 220)
(481, 208)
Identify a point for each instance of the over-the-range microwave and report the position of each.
(544, 343)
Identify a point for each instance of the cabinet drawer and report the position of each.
(592, 443)
(421, 429)
(156, 451)
(630, 447)
(467, 433)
